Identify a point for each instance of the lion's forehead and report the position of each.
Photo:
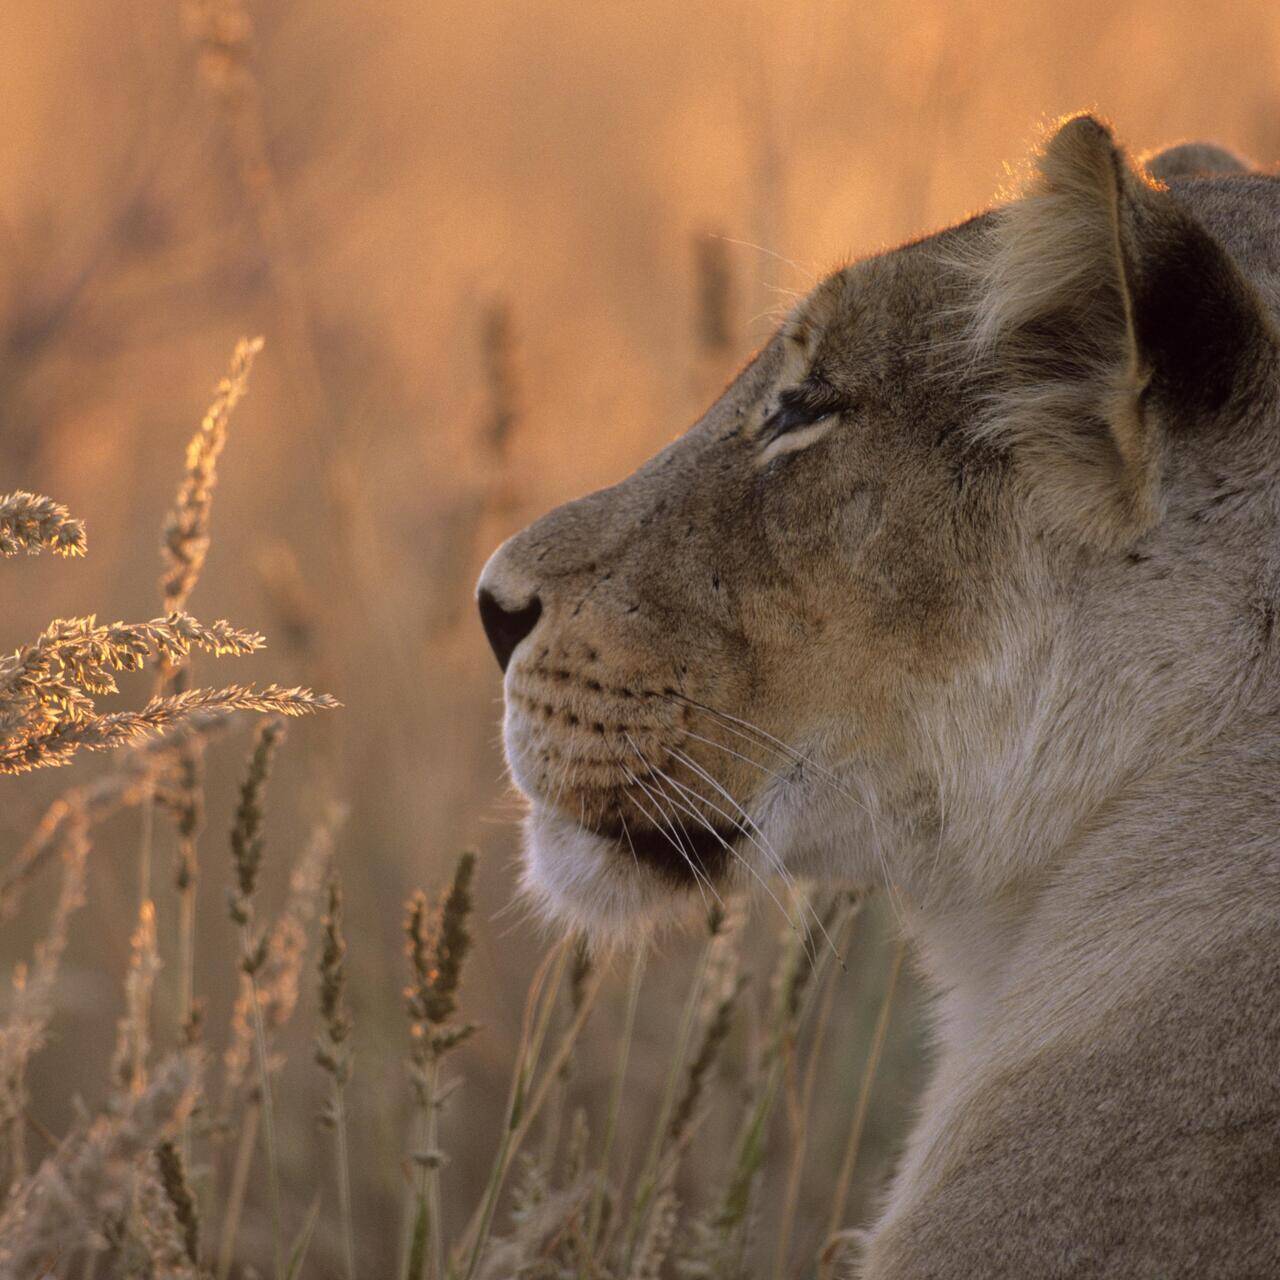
(886, 326)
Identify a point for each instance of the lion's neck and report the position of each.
(1170, 866)
(1167, 874)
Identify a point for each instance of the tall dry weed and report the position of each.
(105, 1192)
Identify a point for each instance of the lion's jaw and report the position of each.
(642, 791)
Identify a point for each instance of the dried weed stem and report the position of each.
(23, 1033)
(333, 1053)
(185, 536)
(437, 945)
(246, 850)
(849, 1161)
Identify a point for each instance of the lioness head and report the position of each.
(952, 557)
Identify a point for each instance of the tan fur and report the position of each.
(992, 625)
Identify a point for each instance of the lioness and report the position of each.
(968, 585)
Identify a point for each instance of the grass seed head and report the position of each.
(333, 967)
(437, 945)
(47, 712)
(173, 1179)
(31, 523)
(185, 537)
(246, 831)
(714, 1033)
(133, 1035)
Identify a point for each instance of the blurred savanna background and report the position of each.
(499, 254)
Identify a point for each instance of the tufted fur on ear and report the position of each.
(1104, 311)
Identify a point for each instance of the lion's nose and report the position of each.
(504, 626)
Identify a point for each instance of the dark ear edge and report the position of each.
(1203, 331)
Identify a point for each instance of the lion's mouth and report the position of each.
(685, 852)
(619, 763)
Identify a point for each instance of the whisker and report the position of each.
(808, 272)
(766, 739)
(792, 923)
(662, 824)
(756, 735)
(762, 735)
(626, 831)
(767, 849)
(764, 768)
(671, 810)
(733, 853)
(770, 853)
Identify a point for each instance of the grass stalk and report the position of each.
(800, 1112)
(537, 1012)
(144, 964)
(187, 1021)
(268, 1116)
(437, 943)
(333, 1054)
(431, 1172)
(806, 968)
(185, 876)
(186, 963)
(580, 972)
(423, 1218)
(647, 1179)
(146, 843)
(525, 1102)
(840, 1199)
(246, 848)
(236, 1191)
(414, 1210)
(344, 1179)
(615, 1098)
(186, 954)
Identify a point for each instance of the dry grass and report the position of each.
(33, 524)
(116, 1186)
(185, 537)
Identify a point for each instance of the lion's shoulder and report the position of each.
(1164, 1129)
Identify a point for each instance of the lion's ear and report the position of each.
(1193, 160)
(1104, 309)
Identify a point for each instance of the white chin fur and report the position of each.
(582, 880)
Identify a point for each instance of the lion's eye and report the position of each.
(800, 407)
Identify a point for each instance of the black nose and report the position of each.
(506, 627)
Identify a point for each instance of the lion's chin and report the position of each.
(587, 882)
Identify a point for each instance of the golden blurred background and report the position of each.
(499, 253)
